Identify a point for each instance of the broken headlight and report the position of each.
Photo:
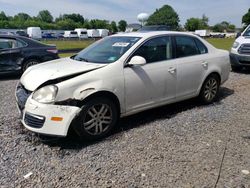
(46, 94)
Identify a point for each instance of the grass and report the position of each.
(223, 43)
(69, 44)
(66, 54)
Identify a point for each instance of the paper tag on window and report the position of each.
(120, 44)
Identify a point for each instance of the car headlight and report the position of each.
(45, 94)
(236, 44)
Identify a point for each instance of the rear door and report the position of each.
(10, 54)
(191, 58)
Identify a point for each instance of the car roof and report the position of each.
(12, 36)
(152, 33)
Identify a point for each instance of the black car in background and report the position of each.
(17, 53)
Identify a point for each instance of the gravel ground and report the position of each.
(180, 145)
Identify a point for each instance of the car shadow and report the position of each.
(245, 70)
(6, 77)
(134, 121)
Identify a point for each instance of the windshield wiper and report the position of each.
(81, 59)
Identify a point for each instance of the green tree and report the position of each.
(204, 21)
(246, 18)
(113, 27)
(45, 16)
(21, 17)
(193, 24)
(224, 26)
(166, 15)
(122, 24)
(74, 17)
(3, 16)
(66, 24)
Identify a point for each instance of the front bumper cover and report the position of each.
(34, 110)
(239, 60)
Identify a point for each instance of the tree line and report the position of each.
(45, 20)
(165, 15)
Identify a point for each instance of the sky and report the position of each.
(216, 10)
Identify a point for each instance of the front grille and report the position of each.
(33, 120)
(244, 49)
(22, 95)
(244, 62)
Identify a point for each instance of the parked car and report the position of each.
(22, 33)
(17, 53)
(240, 51)
(48, 36)
(118, 76)
(70, 34)
(34, 32)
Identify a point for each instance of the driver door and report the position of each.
(155, 81)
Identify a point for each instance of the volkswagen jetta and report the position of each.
(118, 76)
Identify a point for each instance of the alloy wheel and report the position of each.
(98, 119)
(210, 89)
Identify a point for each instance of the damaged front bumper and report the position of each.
(49, 119)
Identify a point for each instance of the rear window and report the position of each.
(202, 48)
(185, 46)
(84, 32)
(73, 32)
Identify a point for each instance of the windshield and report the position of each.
(247, 32)
(107, 50)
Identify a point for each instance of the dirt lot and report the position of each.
(181, 145)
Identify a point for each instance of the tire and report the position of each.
(210, 89)
(236, 68)
(97, 119)
(29, 63)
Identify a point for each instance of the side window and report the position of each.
(20, 44)
(7, 43)
(202, 48)
(10, 43)
(185, 46)
(157, 49)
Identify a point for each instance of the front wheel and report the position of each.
(210, 89)
(29, 63)
(97, 119)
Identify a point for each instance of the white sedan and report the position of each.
(118, 76)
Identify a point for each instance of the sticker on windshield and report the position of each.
(121, 44)
(112, 58)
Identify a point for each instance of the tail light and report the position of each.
(54, 51)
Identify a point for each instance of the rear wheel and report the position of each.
(210, 89)
(97, 119)
(29, 63)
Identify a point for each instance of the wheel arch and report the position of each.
(106, 94)
(207, 76)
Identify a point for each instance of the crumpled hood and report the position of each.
(36, 75)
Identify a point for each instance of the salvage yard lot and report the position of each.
(181, 145)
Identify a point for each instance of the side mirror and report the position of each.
(137, 60)
(238, 35)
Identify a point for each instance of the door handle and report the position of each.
(172, 70)
(204, 64)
